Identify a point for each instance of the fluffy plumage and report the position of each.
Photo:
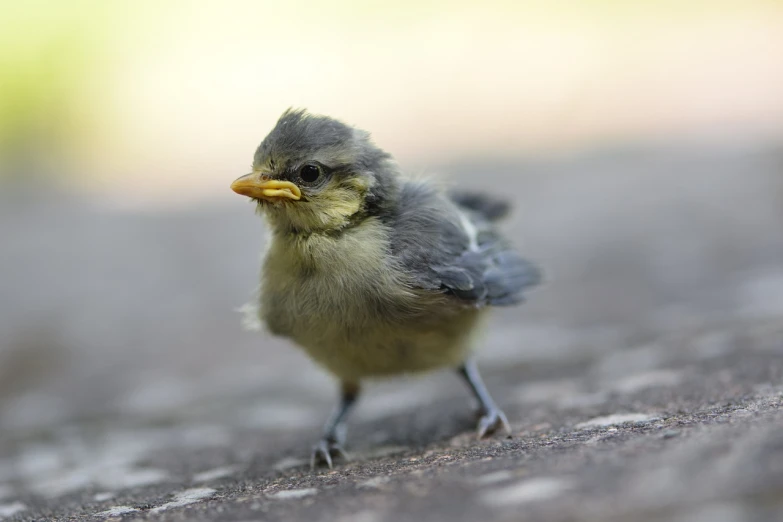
(370, 273)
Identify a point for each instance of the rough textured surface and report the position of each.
(644, 382)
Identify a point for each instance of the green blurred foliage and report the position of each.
(47, 50)
(91, 82)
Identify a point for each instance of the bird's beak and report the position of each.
(254, 186)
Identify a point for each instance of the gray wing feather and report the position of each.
(430, 243)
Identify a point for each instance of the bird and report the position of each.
(372, 273)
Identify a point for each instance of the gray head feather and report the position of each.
(300, 137)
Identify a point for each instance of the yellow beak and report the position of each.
(254, 186)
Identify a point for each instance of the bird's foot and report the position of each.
(324, 451)
(491, 421)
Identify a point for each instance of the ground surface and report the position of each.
(643, 382)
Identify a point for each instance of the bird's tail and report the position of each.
(490, 207)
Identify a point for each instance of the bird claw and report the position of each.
(324, 451)
(491, 421)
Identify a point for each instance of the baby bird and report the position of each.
(370, 273)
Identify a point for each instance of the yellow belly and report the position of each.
(346, 304)
(383, 350)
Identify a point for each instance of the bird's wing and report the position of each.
(456, 250)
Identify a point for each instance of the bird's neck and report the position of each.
(365, 241)
(295, 230)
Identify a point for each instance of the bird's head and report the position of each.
(316, 174)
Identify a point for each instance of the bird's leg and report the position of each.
(492, 417)
(333, 436)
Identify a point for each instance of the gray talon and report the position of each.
(324, 451)
(491, 422)
(492, 417)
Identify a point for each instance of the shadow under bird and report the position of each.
(373, 274)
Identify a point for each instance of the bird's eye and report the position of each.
(309, 173)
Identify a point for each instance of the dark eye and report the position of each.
(309, 173)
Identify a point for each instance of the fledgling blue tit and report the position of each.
(370, 273)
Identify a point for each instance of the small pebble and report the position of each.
(293, 494)
(373, 483)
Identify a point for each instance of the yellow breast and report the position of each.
(346, 303)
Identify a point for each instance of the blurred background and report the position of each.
(640, 141)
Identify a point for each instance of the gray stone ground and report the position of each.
(643, 382)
